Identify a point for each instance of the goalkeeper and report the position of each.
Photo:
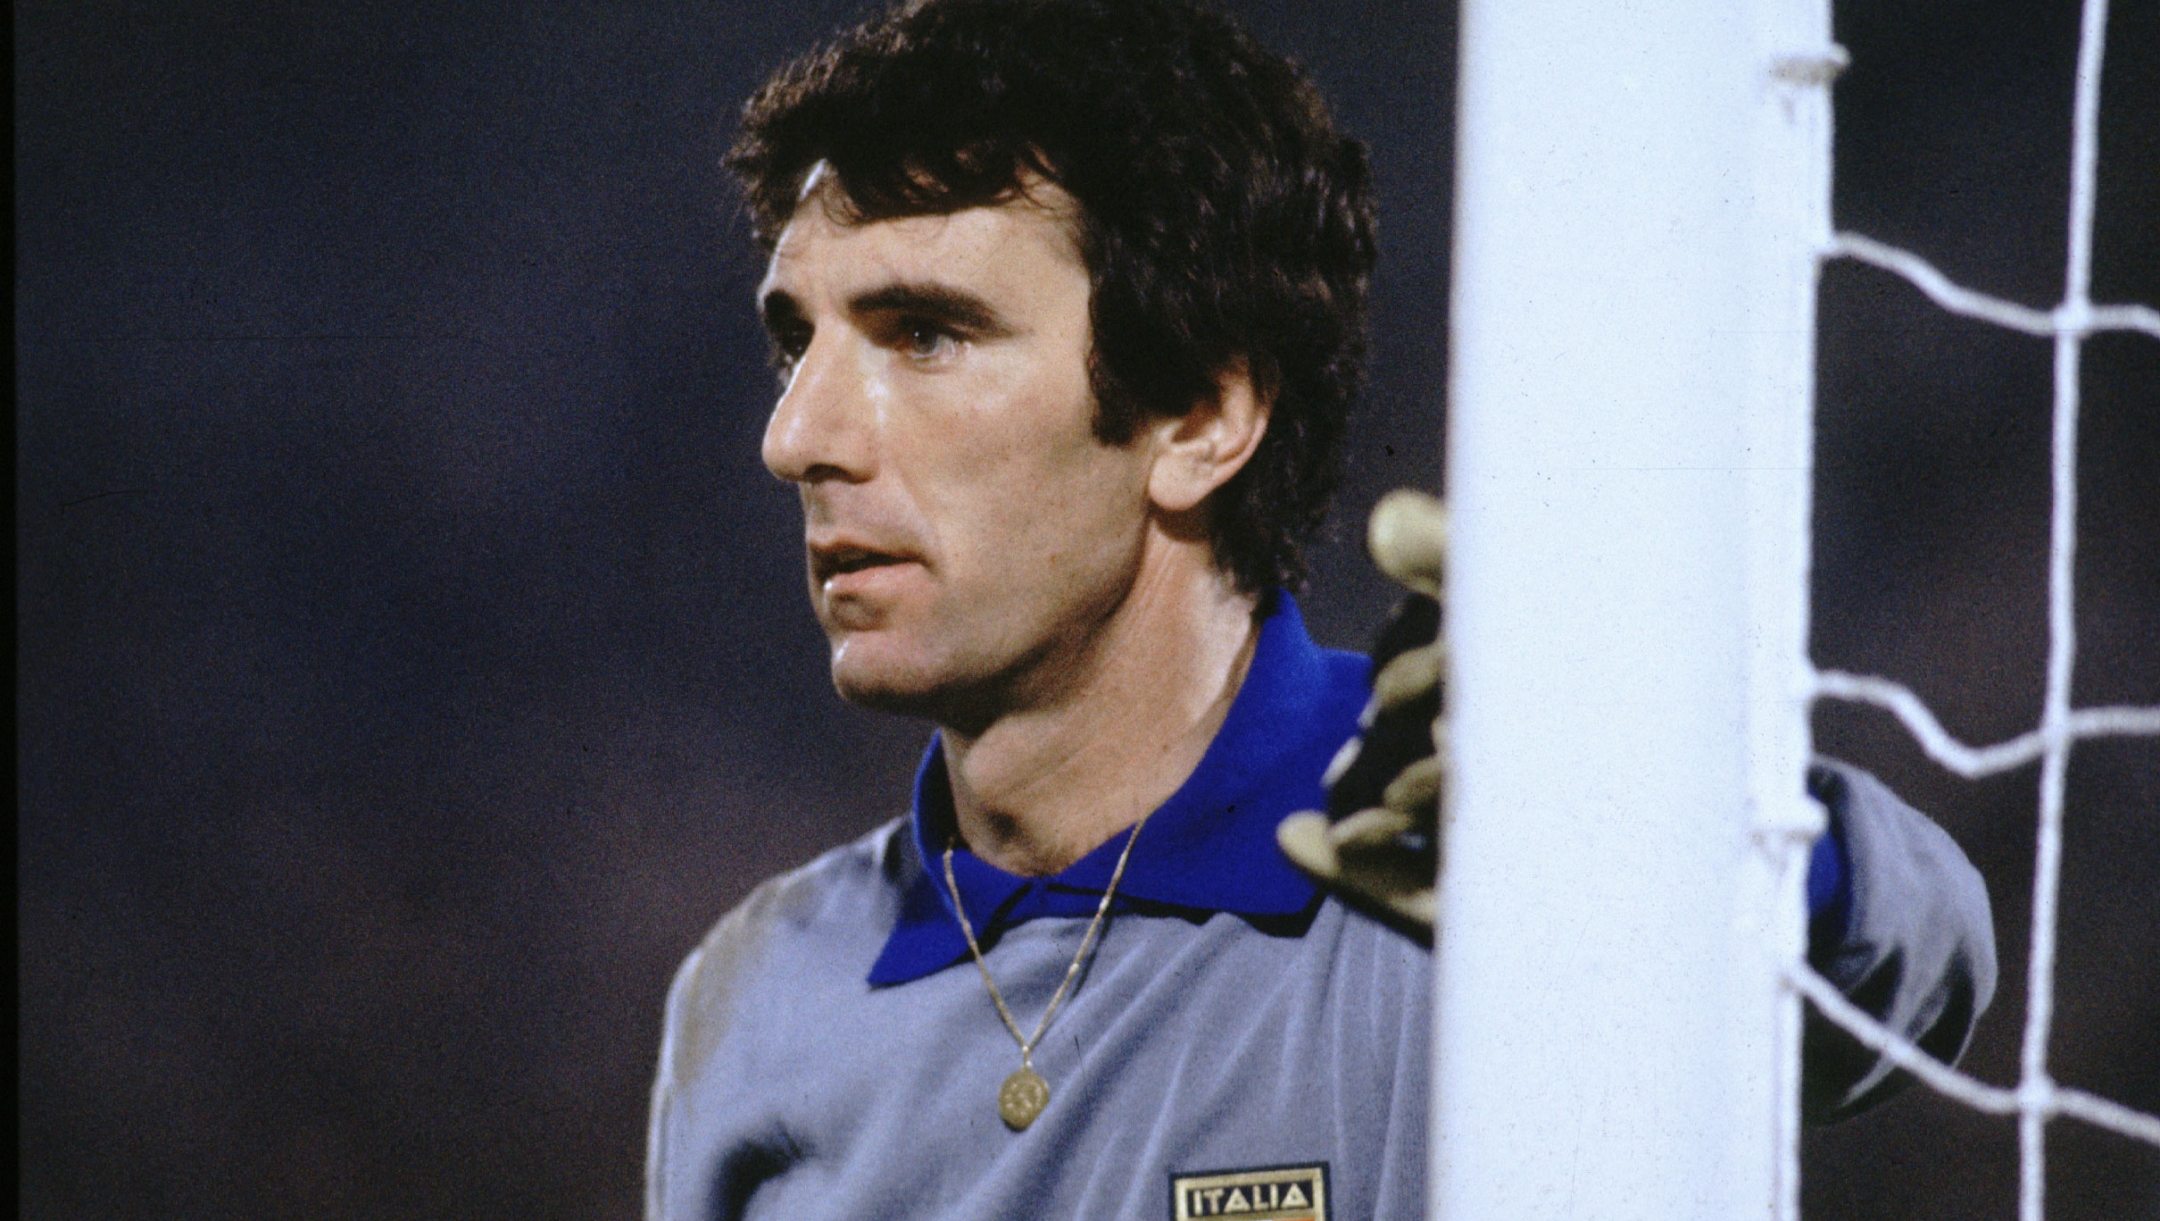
(1068, 301)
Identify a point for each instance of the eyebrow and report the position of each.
(937, 302)
(940, 303)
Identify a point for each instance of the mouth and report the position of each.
(841, 560)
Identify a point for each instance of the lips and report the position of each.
(842, 558)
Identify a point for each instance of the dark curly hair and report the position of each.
(1224, 220)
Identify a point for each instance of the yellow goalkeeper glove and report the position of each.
(1378, 844)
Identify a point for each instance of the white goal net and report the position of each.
(2035, 1098)
(1642, 212)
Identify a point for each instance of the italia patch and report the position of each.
(1271, 1193)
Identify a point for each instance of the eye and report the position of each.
(789, 342)
(922, 339)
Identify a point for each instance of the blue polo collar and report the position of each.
(1209, 848)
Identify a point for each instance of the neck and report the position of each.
(1041, 786)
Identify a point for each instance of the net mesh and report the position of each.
(2036, 1098)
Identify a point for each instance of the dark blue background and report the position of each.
(412, 652)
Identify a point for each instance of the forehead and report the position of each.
(1008, 246)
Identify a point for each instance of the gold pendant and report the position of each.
(1022, 1098)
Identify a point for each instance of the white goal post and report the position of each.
(1642, 201)
(1642, 195)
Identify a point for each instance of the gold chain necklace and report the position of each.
(1025, 1093)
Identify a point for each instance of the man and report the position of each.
(1068, 301)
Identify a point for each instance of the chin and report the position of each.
(872, 677)
(874, 674)
(879, 695)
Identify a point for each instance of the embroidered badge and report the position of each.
(1275, 1193)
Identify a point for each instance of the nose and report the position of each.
(821, 428)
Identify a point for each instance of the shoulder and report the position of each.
(1906, 870)
(1372, 959)
(807, 915)
(1916, 951)
(1366, 977)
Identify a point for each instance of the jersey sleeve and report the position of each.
(1910, 940)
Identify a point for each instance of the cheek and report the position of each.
(1007, 473)
(1050, 475)
(1068, 523)
(1016, 464)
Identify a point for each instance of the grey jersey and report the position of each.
(789, 1087)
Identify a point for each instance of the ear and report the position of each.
(1199, 451)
